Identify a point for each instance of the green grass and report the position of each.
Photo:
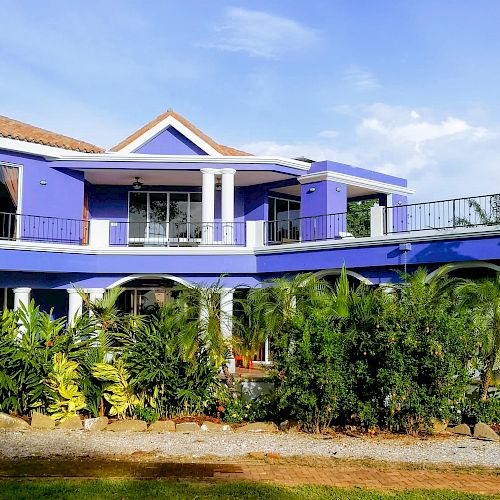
(156, 489)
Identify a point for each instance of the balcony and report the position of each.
(376, 222)
(176, 234)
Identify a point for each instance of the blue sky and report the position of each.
(405, 87)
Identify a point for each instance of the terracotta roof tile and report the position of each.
(13, 129)
(223, 150)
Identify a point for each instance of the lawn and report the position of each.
(147, 489)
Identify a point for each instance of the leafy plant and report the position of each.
(118, 391)
(67, 397)
(146, 414)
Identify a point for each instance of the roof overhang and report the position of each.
(377, 186)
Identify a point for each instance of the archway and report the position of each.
(143, 293)
(471, 270)
(354, 278)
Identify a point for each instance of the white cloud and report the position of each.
(328, 134)
(260, 34)
(441, 156)
(360, 78)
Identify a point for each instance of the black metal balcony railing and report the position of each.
(44, 229)
(319, 227)
(177, 233)
(444, 214)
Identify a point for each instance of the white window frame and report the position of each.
(167, 238)
(19, 193)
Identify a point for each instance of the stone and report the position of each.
(73, 423)
(187, 427)
(462, 429)
(483, 431)
(12, 423)
(258, 427)
(127, 426)
(42, 422)
(257, 455)
(213, 427)
(438, 426)
(95, 424)
(273, 456)
(289, 426)
(162, 426)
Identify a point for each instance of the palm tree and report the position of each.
(202, 305)
(482, 298)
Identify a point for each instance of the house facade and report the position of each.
(170, 205)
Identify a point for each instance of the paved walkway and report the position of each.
(368, 478)
(339, 475)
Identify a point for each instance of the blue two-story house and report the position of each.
(169, 204)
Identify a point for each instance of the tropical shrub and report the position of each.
(169, 382)
(118, 390)
(67, 398)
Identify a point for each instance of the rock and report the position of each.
(258, 427)
(95, 424)
(438, 426)
(462, 429)
(483, 431)
(213, 427)
(127, 426)
(257, 455)
(273, 456)
(12, 423)
(289, 426)
(40, 421)
(162, 426)
(187, 427)
(73, 423)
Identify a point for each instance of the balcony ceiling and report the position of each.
(352, 191)
(176, 177)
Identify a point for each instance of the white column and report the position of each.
(377, 220)
(95, 293)
(208, 204)
(21, 296)
(75, 305)
(99, 233)
(227, 205)
(226, 321)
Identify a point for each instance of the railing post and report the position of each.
(255, 233)
(99, 233)
(377, 220)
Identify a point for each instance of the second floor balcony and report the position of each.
(376, 222)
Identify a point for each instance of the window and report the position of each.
(284, 219)
(159, 216)
(9, 200)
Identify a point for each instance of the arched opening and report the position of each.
(470, 270)
(331, 276)
(144, 294)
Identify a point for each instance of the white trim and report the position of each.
(336, 272)
(133, 277)
(169, 121)
(465, 265)
(352, 180)
(34, 148)
(60, 154)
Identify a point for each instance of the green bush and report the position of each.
(487, 411)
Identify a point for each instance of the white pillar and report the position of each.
(208, 204)
(21, 296)
(75, 305)
(95, 293)
(99, 233)
(227, 205)
(226, 321)
(377, 220)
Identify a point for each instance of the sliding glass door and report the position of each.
(159, 217)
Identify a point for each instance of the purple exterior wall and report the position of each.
(170, 142)
(342, 168)
(323, 207)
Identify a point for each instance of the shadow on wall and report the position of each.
(438, 251)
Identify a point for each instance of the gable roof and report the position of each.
(223, 150)
(13, 129)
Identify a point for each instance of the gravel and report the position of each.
(449, 450)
